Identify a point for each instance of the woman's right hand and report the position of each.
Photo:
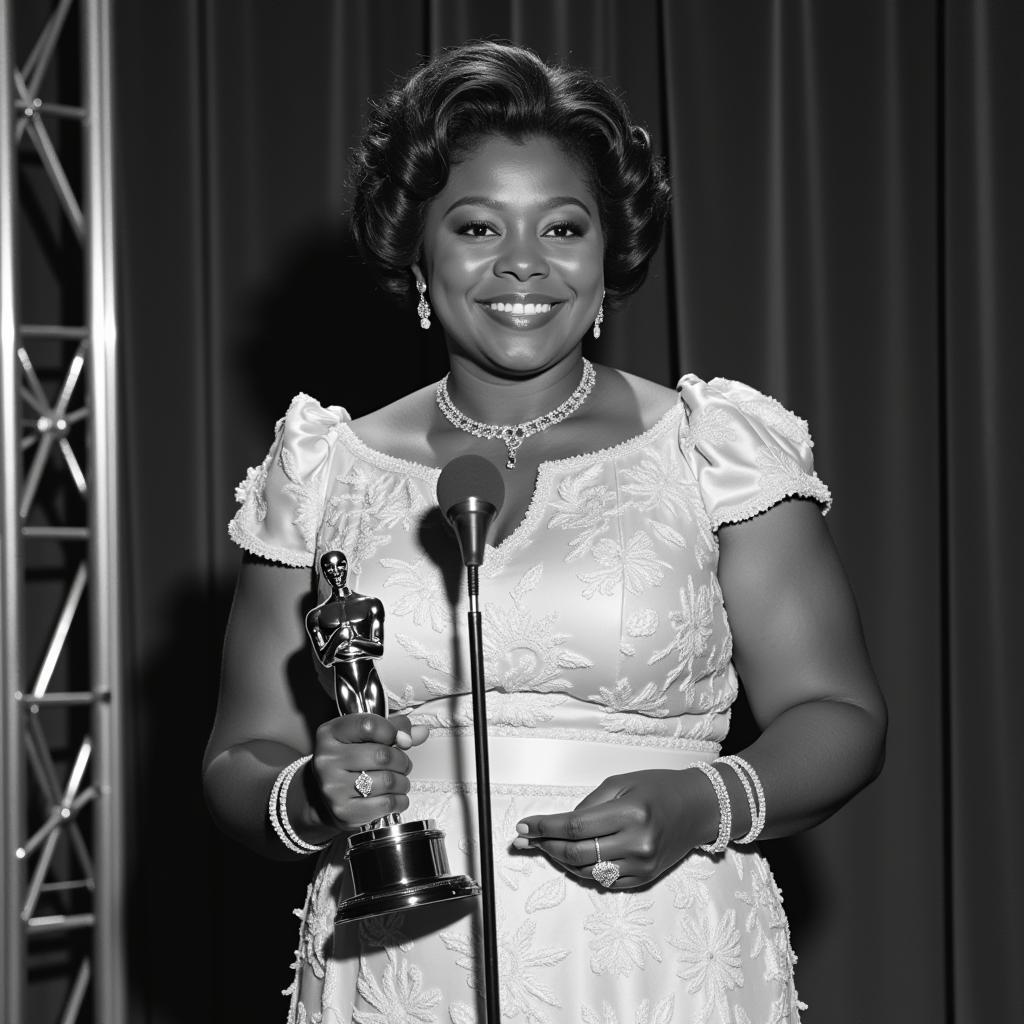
(352, 744)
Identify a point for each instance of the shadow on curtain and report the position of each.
(846, 225)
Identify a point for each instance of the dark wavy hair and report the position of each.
(433, 118)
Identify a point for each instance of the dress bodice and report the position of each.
(602, 610)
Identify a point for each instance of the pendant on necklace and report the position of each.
(513, 438)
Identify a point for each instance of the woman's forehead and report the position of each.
(503, 170)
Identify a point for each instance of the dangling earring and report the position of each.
(423, 309)
(599, 319)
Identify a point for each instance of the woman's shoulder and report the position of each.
(637, 402)
(746, 449)
(722, 399)
(401, 427)
(281, 496)
(649, 395)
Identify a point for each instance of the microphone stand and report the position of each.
(483, 799)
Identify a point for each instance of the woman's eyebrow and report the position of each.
(496, 204)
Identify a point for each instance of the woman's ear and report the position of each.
(418, 274)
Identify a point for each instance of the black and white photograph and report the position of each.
(507, 511)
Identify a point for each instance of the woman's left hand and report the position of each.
(645, 822)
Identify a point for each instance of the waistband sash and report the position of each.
(543, 761)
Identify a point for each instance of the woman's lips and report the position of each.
(520, 321)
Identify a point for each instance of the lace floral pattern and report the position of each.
(398, 995)
(621, 926)
(605, 638)
(525, 987)
(586, 506)
(709, 960)
(647, 1012)
(524, 651)
(363, 513)
(632, 565)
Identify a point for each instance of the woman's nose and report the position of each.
(522, 259)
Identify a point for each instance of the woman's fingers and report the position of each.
(569, 840)
(366, 785)
(582, 823)
(373, 807)
(357, 797)
(364, 748)
(583, 853)
(579, 859)
(363, 729)
(363, 744)
(369, 757)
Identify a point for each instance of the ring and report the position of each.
(364, 784)
(604, 871)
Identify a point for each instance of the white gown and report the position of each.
(607, 650)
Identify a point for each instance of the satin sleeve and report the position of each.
(282, 498)
(746, 450)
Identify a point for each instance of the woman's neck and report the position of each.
(490, 398)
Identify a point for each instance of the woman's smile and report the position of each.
(521, 311)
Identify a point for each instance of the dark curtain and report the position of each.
(847, 235)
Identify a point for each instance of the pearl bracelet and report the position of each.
(724, 809)
(743, 769)
(278, 811)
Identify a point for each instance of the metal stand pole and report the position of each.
(492, 990)
(13, 941)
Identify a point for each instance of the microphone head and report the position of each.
(470, 492)
(469, 476)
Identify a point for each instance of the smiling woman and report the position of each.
(655, 544)
(514, 228)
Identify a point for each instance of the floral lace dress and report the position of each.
(607, 650)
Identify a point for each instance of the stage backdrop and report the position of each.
(846, 235)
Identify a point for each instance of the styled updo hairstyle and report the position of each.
(427, 123)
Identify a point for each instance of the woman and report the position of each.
(518, 201)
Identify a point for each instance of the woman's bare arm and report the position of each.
(260, 726)
(799, 649)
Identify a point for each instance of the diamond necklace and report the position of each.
(514, 434)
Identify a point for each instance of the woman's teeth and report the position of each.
(521, 308)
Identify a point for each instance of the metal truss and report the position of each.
(61, 829)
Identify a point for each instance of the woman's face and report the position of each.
(513, 256)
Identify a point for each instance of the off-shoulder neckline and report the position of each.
(395, 463)
(498, 554)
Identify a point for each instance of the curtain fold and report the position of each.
(846, 234)
(984, 322)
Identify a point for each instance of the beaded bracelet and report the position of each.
(743, 769)
(758, 810)
(278, 811)
(724, 809)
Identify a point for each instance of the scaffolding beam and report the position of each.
(62, 823)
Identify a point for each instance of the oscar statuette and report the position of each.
(394, 864)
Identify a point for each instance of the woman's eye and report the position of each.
(564, 229)
(476, 229)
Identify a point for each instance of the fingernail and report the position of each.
(522, 828)
(403, 737)
(520, 843)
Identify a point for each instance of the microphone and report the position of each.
(470, 492)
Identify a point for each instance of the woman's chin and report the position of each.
(517, 356)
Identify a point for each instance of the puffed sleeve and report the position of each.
(282, 498)
(747, 451)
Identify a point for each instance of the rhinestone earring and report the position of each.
(599, 319)
(423, 309)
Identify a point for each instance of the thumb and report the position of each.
(408, 735)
